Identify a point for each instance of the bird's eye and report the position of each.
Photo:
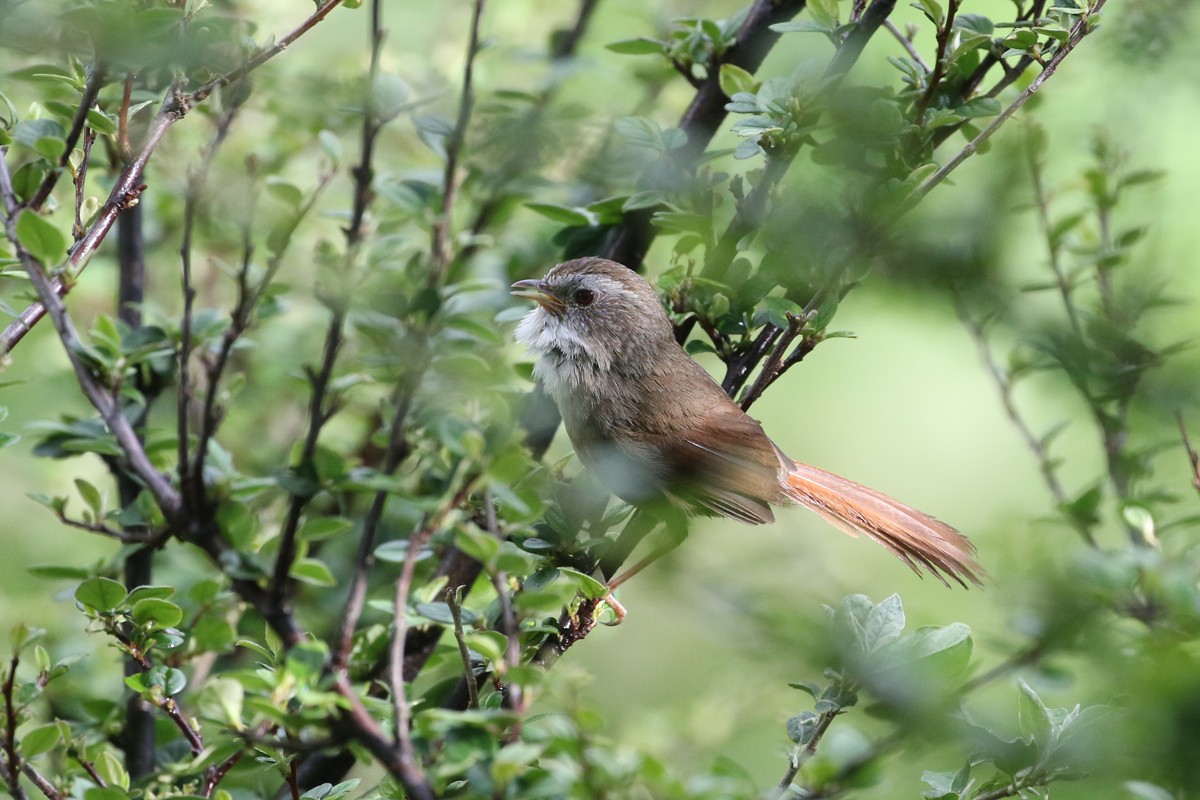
(583, 297)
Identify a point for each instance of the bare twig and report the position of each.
(1053, 247)
(192, 488)
(1036, 444)
(453, 601)
(440, 244)
(404, 751)
(1193, 456)
(945, 31)
(907, 44)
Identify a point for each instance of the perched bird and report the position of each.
(656, 429)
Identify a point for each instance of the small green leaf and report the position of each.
(734, 79)
(223, 698)
(802, 26)
(101, 122)
(323, 528)
(479, 545)
(567, 215)
(100, 594)
(40, 739)
(40, 238)
(90, 495)
(490, 644)
(312, 571)
(160, 613)
(589, 586)
(108, 767)
(641, 46)
(884, 623)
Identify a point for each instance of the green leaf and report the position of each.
(589, 586)
(40, 238)
(108, 767)
(223, 697)
(824, 11)
(975, 23)
(323, 528)
(492, 645)
(479, 545)
(946, 785)
(734, 79)
(778, 308)
(802, 727)
(1032, 714)
(802, 26)
(567, 215)
(41, 739)
(101, 122)
(312, 571)
(90, 495)
(160, 613)
(100, 594)
(640, 46)
(327, 791)
(884, 623)
(330, 145)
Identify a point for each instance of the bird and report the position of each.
(662, 435)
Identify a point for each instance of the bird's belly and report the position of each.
(631, 471)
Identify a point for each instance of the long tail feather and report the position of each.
(916, 538)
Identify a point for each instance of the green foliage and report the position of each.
(335, 537)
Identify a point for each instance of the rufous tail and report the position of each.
(916, 538)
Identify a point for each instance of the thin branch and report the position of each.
(1193, 456)
(80, 178)
(907, 44)
(1053, 248)
(1081, 29)
(404, 753)
(10, 731)
(91, 90)
(453, 601)
(105, 403)
(801, 755)
(944, 33)
(197, 179)
(1036, 444)
(165, 704)
(440, 248)
(42, 783)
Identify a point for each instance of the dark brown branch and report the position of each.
(10, 731)
(87, 100)
(944, 32)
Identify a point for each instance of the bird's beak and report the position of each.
(539, 292)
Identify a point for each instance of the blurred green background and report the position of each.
(716, 630)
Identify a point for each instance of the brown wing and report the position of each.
(724, 465)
